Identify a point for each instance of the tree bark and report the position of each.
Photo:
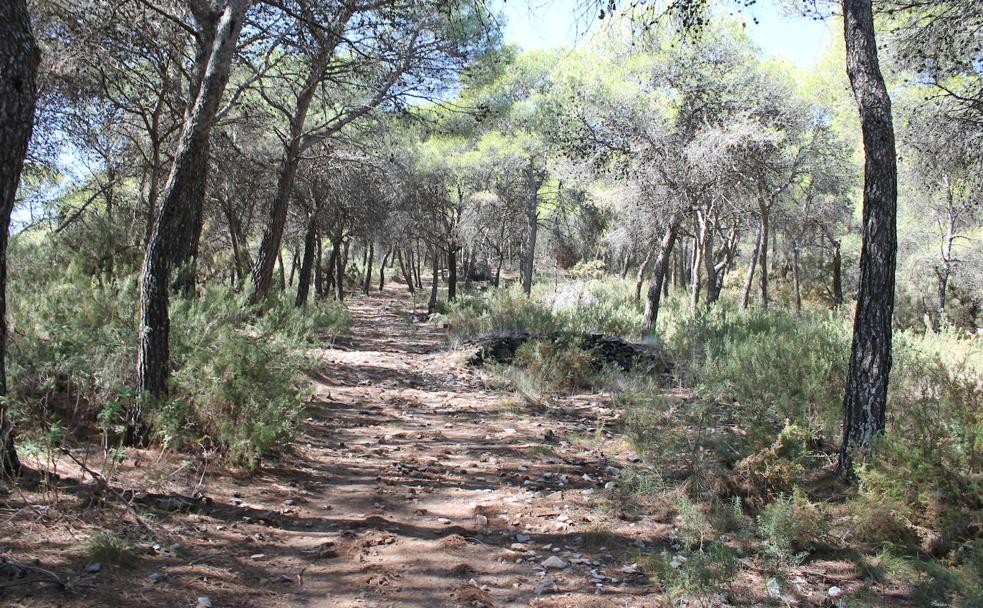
(368, 269)
(318, 274)
(310, 246)
(382, 268)
(340, 262)
(697, 285)
(153, 352)
(763, 255)
(406, 273)
(653, 301)
(452, 272)
(19, 59)
(534, 180)
(865, 400)
(640, 275)
(432, 303)
(837, 275)
(796, 288)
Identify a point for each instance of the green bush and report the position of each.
(768, 366)
(790, 527)
(237, 384)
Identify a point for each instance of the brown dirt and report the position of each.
(406, 489)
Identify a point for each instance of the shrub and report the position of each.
(109, 548)
(770, 366)
(790, 527)
(237, 383)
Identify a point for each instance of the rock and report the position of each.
(204, 602)
(481, 520)
(545, 587)
(522, 538)
(834, 592)
(257, 556)
(93, 568)
(443, 520)
(501, 348)
(633, 457)
(157, 577)
(554, 562)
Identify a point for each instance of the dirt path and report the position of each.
(425, 488)
(413, 484)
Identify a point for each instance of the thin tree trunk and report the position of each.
(625, 265)
(331, 269)
(752, 264)
(452, 272)
(432, 304)
(796, 289)
(534, 182)
(640, 275)
(697, 284)
(310, 246)
(283, 271)
(763, 256)
(382, 267)
(341, 261)
(19, 59)
(406, 273)
(865, 398)
(655, 287)
(153, 352)
(319, 291)
(837, 275)
(368, 269)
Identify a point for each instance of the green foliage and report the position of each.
(695, 572)
(503, 310)
(790, 527)
(588, 269)
(110, 548)
(237, 383)
(768, 365)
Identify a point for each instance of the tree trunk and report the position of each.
(658, 274)
(451, 272)
(796, 288)
(837, 275)
(368, 269)
(534, 182)
(697, 284)
(19, 58)
(763, 256)
(709, 261)
(319, 292)
(294, 260)
(407, 276)
(310, 246)
(625, 265)
(749, 277)
(340, 261)
(283, 271)
(432, 303)
(640, 275)
(153, 352)
(469, 267)
(330, 270)
(870, 357)
(382, 268)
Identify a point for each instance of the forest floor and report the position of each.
(415, 483)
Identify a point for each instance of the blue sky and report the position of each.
(538, 24)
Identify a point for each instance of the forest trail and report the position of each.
(414, 485)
